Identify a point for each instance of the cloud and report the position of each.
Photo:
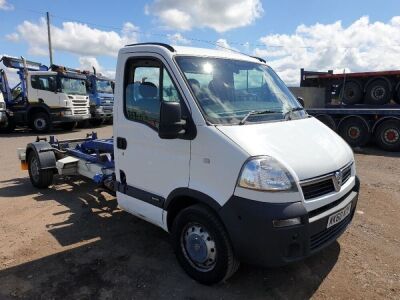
(74, 37)
(88, 62)
(220, 15)
(4, 5)
(222, 44)
(362, 46)
(177, 39)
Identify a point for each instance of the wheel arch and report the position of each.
(182, 198)
(38, 108)
(47, 159)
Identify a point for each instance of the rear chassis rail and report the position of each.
(90, 157)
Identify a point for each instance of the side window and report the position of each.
(169, 92)
(44, 82)
(147, 83)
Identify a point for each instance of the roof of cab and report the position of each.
(194, 51)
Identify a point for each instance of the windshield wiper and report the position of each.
(255, 112)
(292, 110)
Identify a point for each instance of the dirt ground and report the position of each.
(72, 241)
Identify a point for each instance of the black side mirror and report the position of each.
(171, 123)
(301, 101)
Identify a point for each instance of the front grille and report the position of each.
(324, 208)
(80, 103)
(318, 189)
(81, 111)
(319, 239)
(346, 174)
(107, 101)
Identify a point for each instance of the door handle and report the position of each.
(121, 143)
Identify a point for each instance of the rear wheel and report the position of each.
(378, 92)
(387, 135)
(352, 93)
(40, 122)
(355, 132)
(39, 178)
(328, 121)
(202, 245)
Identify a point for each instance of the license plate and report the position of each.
(339, 216)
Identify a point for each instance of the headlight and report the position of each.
(67, 113)
(265, 174)
(2, 105)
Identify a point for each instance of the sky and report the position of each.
(321, 35)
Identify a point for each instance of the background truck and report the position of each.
(101, 96)
(361, 107)
(213, 148)
(44, 96)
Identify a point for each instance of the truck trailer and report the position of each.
(44, 96)
(212, 147)
(362, 107)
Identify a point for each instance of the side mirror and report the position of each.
(171, 123)
(301, 101)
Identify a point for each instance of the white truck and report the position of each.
(212, 147)
(44, 96)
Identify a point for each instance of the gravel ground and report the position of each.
(72, 241)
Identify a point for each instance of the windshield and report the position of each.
(104, 86)
(229, 90)
(73, 86)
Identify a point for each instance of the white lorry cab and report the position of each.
(212, 147)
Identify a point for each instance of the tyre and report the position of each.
(378, 92)
(352, 93)
(39, 178)
(327, 120)
(387, 135)
(202, 245)
(68, 126)
(355, 132)
(95, 122)
(396, 97)
(8, 127)
(40, 122)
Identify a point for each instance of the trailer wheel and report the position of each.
(40, 122)
(378, 92)
(352, 93)
(202, 245)
(387, 135)
(39, 178)
(355, 132)
(327, 120)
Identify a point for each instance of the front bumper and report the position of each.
(101, 112)
(69, 118)
(256, 241)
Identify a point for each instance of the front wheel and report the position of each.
(39, 178)
(202, 245)
(40, 122)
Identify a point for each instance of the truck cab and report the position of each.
(44, 96)
(212, 147)
(101, 95)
